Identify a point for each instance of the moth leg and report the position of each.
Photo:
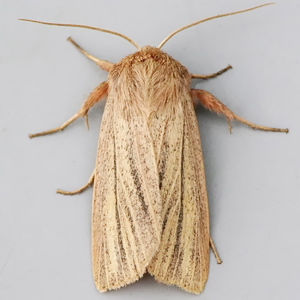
(103, 64)
(98, 94)
(212, 75)
(89, 183)
(215, 251)
(212, 103)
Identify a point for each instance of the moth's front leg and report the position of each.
(103, 64)
(212, 75)
(99, 93)
(212, 103)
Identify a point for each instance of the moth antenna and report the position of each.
(208, 19)
(88, 27)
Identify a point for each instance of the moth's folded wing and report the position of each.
(127, 203)
(183, 255)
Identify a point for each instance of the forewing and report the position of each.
(183, 255)
(127, 203)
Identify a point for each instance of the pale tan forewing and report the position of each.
(126, 225)
(183, 255)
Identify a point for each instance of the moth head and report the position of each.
(148, 61)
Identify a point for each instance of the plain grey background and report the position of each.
(253, 177)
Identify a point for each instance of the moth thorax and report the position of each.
(150, 81)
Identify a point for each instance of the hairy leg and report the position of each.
(212, 103)
(97, 95)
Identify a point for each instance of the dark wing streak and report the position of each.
(175, 211)
(122, 235)
(125, 237)
(169, 196)
(180, 216)
(144, 181)
(118, 219)
(120, 245)
(129, 232)
(202, 193)
(201, 204)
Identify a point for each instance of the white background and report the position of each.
(253, 177)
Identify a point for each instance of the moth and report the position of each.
(150, 203)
